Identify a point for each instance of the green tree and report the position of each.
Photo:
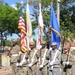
(7, 43)
(67, 20)
(8, 19)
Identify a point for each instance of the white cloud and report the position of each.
(21, 2)
(13, 6)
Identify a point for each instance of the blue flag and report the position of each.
(55, 30)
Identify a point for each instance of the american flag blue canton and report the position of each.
(55, 30)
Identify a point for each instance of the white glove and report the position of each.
(7, 56)
(23, 61)
(64, 63)
(32, 60)
(17, 64)
(68, 63)
(39, 47)
(41, 66)
(51, 63)
(20, 64)
(20, 53)
(51, 67)
(29, 65)
(50, 49)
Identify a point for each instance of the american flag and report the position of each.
(21, 26)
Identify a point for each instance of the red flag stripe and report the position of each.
(21, 26)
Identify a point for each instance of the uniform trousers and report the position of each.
(73, 69)
(17, 70)
(13, 66)
(55, 71)
(43, 71)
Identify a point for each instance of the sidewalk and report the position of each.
(5, 70)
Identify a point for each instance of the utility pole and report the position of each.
(58, 11)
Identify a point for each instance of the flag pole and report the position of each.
(58, 11)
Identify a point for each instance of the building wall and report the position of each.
(5, 60)
(72, 50)
(0, 60)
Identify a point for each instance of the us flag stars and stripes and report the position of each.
(22, 27)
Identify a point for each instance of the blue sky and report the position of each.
(10, 2)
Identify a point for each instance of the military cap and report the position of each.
(66, 48)
(53, 43)
(32, 43)
(43, 42)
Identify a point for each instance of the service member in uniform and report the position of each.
(33, 60)
(42, 57)
(73, 65)
(54, 57)
(67, 59)
(14, 56)
(23, 65)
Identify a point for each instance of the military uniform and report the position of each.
(43, 62)
(23, 67)
(73, 65)
(14, 57)
(32, 59)
(32, 63)
(68, 61)
(42, 65)
(54, 57)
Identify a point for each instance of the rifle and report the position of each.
(38, 67)
(62, 44)
(68, 54)
(69, 65)
(43, 66)
(8, 54)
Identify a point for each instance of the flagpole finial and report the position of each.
(27, 2)
(40, 3)
(51, 2)
(58, 0)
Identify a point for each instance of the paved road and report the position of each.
(6, 73)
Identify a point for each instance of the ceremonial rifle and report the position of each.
(68, 52)
(8, 54)
(67, 60)
(63, 43)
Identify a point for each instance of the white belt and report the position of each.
(15, 54)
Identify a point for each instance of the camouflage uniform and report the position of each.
(14, 57)
(32, 59)
(43, 70)
(72, 60)
(22, 69)
(32, 68)
(67, 68)
(42, 65)
(73, 66)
